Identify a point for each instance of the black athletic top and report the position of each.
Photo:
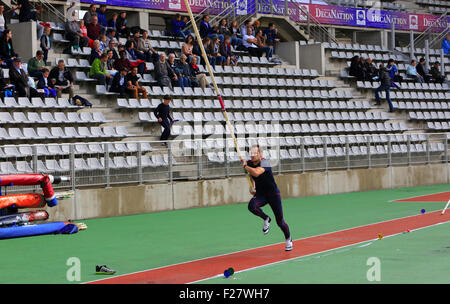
(265, 183)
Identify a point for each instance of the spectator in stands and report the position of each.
(144, 45)
(74, 34)
(45, 84)
(223, 28)
(122, 62)
(244, 27)
(133, 86)
(112, 24)
(206, 30)
(256, 26)
(393, 73)
(36, 65)
(187, 48)
(209, 52)
(62, 79)
(95, 52)
(103, 43)
(71, 11)
(93, 29)
(89, 14)
(25, 10)
(182, 71)
(3, 25)
(112, 47)
(411, 72)
(111, 35)
(101, 14)
(356, 68)
(250, 41)
(7, 52)
(446, 44)
(385, 85)
(98, 71)
(225, 51)
(173, 66)
(119, 83)
(261, 43)
(215, 51)
(423, 71)
(110, 62)
(35, 15)
(135, 39)
(271, 33)
(83, 30)
(135, 57)
(121, 24)
(164, 73)
(371, 70)
(46, 43)
(19, 78)
(177, 27)
(436, 73)
(6, 90)
(199, 76)
(162, 113)
(235, 32)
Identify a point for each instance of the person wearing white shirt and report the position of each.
(249, 42)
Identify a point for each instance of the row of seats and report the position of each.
(355, 47)
(36, 103)
(439, 126)
(336, 152)
(296, 128)
(59, 133)
(290, 141)
(408, 105)
(239, 104)
(419, 51)
(256, 117)
(429, 115)
(50, 118)
(407, 86)
(374, 56)
(80, 164)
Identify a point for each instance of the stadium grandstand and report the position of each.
(322, 86)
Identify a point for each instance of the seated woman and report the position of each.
(187, 49)
(132, 56)
(225, 51)
(199, 76)
(95, 52)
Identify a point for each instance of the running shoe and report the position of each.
(104, 270)
(266, 225)
(289, 245)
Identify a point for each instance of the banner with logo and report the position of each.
(326, 14)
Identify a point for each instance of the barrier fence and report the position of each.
(104, 164)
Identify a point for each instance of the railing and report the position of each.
(431, 30)
(196, 159)
(57, 16)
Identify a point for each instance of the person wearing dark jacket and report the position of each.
(371, 70)
(119, 83)
(62, 79)
(162, 113)
(436, 73)
(19, 78)
(7, 52)
(422, 70)
(121, 25)
(225, 51)
(45, 84)
(385, 85)
(356, 68)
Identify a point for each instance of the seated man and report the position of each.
(36, 64)
(164, 73)
(119, 83)
(411, 72)
(19, 78)
(133, 86)
(62, 79)
(98, 70)
(436, 73)
(74, 34)
(93, 29)
(422, 70)
(45, 84)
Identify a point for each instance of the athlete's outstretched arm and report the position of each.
(255, 172)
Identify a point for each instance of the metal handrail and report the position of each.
(423, 36)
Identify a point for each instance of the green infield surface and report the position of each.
(335, 241)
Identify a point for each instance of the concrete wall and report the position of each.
(312, 56)
(288, 51)
(126, 200)
(28, 46)
(369, 37)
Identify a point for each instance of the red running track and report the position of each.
(193, 271)
(438, 197)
